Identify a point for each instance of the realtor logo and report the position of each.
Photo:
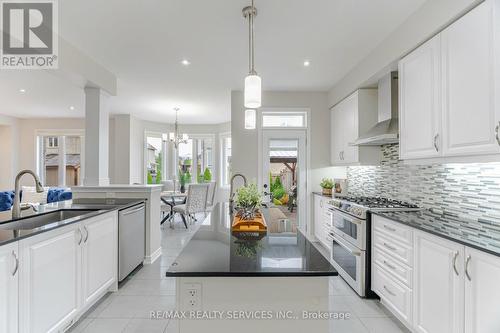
(29, 34)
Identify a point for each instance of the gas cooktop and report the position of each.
(359, 206)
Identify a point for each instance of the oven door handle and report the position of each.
(347, 247)
(351, 219)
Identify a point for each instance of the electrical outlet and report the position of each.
(191, 295)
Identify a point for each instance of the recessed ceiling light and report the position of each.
(185, 62)
(72, 108)
(307, 63)
(22, 91)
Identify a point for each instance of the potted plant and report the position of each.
(207, 175)
(248, 201)
(327, 185)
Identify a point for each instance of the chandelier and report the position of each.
(253, 82)
(175, 137)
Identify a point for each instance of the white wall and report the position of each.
(244, 142)
(429, 19)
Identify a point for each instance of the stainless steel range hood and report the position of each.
(386, 131)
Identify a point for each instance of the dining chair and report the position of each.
(196, 202)
(212, 187)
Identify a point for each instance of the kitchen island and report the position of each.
(247, 282)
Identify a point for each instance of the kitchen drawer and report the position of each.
(394, 295)
(400, 272)
(395, 250)
(393, 230)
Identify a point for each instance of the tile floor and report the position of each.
(128, 309)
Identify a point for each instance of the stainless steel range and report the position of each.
(351, 234)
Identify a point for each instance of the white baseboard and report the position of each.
(148, 260)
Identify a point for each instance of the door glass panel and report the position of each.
(282, 186)
(344, 259)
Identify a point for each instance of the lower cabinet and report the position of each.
(9, 279)
(438, 285)
(64, 271)
(482, 292)
(322, 221)
(450, 288)
(49, 280)
(100, 257)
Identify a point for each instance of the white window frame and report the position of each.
(284, 112)
(194, 153)
(59, 134)
(164, 151)
(222, 162)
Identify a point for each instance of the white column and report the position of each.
(96, 137)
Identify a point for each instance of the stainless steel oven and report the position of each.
(350, 262)
(350, 228)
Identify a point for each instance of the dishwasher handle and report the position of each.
(132, 210)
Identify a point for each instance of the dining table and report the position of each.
(172, 198)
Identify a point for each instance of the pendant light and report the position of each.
(175, 137)
(253, 82)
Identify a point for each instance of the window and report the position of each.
(154, 159)
(52, 142)
(284, 119)
(192, 158)
(60, 160)
(226, 159)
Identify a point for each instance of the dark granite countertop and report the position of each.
(97, 206)
(215, 251)
(480, 234)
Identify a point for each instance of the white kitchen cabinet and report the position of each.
(99, 256)
(449, 90)
(319, 205)
(9, 280)
(470, 112)
(349, 118)
(482, 294)
(49, 280)
(420, 102)
(438, 285)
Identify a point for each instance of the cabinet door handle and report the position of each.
(389, 228)
(390, 247)
(436, 137)
(343, 158)
(81, 236)
(497, 128)
(455, 256)
(340, 156)
(389, 265)
(16, 260)
(467, 261)
(389, 291)
(86, 234)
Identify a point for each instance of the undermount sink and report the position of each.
(37, 221)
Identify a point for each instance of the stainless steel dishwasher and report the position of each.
(131, 239)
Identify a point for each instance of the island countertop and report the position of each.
(215, 251)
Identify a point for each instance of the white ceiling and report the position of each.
(143, 43)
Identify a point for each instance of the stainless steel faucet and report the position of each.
(16, 209)
(231, 193)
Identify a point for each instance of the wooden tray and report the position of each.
(258, 224)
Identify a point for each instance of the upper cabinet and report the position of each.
(449, 90)
(420, 101)
(354, 115)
